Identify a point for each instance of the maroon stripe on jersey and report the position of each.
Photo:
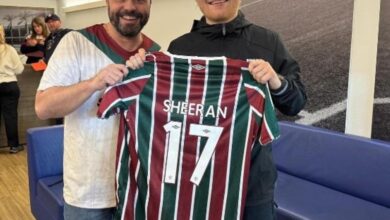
(250, 140)
(255, 99)
(134, 162)
(163, 77)
(222, 149)
(121, 139)
(197, 81)
(100, 32)
(117, 93)
(265, 136)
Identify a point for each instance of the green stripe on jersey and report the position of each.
(212, 96)
(178, 93)
(102, 46)
(123, 176)
(241, 124)
(145, 126)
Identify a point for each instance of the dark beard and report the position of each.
(128, 30)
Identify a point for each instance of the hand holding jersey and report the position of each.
(136, 61)
(109, 75)
(263, 73)
(260, 69)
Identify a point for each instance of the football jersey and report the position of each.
(188, 125)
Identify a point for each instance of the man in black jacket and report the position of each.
(224, 31)
(53, 22)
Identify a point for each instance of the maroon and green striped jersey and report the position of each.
(188, 125)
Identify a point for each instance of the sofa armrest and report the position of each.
(44, 153)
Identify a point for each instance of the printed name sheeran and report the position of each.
(194, 109)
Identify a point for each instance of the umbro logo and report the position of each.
(198, 67)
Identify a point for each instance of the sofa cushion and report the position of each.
(50, 193)
(299, 197)
(350, 164)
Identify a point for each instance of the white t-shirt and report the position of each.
(89, 142)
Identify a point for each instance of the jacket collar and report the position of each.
(220, 30)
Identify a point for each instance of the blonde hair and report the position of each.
(2, 34)
(41, 22)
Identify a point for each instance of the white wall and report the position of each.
(30, 3)
(168, 20)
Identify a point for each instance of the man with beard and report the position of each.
(224, 31)
(84, 63)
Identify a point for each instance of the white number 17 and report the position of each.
(173, 128)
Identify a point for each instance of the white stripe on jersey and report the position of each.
(255, 88)
(230, 145)
(183, 134)
(124, 144)
(216, 124)
(166, 140)
(198, 143)
(268, 130)
(151, 135)
(125, 82)
(243, 166)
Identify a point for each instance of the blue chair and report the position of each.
(328, 175)
(45, 167)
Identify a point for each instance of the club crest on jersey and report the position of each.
(194, 109)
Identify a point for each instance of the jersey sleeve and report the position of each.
(118, 98)
(259, 98)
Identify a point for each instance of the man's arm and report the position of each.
(291, 97)
(59, 101)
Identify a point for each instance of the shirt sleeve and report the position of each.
(17, 64)
(259, 97)
(292, 97)
(118, 98)
(64, 67)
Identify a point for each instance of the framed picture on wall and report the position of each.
(17, 22)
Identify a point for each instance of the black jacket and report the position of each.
(52, 41)
(243, 40)
(240, 39)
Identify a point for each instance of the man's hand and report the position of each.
(108, 76)
(136, 61)
(263, 72)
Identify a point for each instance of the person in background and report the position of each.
(83, 64)
(10, 65)
(54, 23)
(224, 31)
(34, 45)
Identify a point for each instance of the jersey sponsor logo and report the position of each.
(198, 67)
(194, 109)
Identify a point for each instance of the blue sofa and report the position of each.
(44, 158)
(322, 175)
(326, 175)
